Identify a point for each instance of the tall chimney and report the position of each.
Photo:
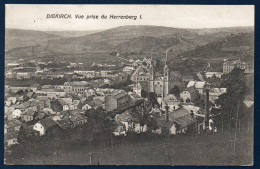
(166, 112)
(206, 119)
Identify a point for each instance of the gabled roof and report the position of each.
(195, 109)
(76, 102)
(200, 85)
(64, 122)
(35, 85)
(77, 117)
(185, 121)
(212, 73)
(47, 123)
(187, 77)
(196, 84)
(124, 117)
(8, 103)
(23, 105)
(29, 94)
(40, 115)
(135, 96)
(180, 123)
(191, 90)
(56, 106)
(42, 98)
(62, 102)
(33, 102)
(67, 100)
(163, 123)
(175, 76)
(95, 102)
(29, 112)
(120, 95)
(175, 114)
(170, 97)
(81, 104)
(65, 113)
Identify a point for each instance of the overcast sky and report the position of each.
(182, 16)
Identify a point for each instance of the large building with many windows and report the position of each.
(229, 65)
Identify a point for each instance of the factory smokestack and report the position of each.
(206, 118)
(166, 113)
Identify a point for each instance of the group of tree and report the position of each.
(176, 91)
(233, 113)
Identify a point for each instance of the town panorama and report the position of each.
(130, 95)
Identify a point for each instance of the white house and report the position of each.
(170, 101)
(39, 127)
(86, 107)
(43, 125)
(16, 113)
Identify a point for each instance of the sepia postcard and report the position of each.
(129, 85)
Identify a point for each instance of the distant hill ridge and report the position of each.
(121, 39)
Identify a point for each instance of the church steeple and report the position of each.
(166, 76)
(166, 68)
(151, 60)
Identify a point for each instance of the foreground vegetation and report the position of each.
(205, 149)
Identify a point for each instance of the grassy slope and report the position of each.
(73, 33)
(20, 38)
(134, 38)
(235, 45)
(182, 150)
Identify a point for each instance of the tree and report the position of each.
(232, 102)
(144, 93)
(200, 103)
(187, 100)
(176, 91)
(152, 98)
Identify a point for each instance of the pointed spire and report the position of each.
(151, 63)
(166, 58)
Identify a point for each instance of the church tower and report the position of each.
(166, 72)
(151, 74)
